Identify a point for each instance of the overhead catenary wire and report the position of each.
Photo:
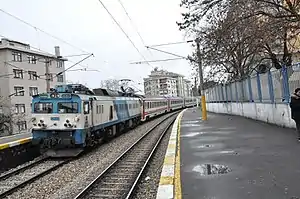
(134, 26)
(123, 31)
(36, 28)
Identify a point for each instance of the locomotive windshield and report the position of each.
(43, 107)
(67, 107)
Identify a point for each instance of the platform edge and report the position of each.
(170, 184)
(15, 143)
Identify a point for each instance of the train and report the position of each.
(71, 117)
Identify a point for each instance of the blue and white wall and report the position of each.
(262, 97)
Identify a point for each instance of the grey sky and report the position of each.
(86, 24)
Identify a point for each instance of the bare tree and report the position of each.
(237, 36)
(10, 120)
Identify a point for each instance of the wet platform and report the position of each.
(13, 140)
(231, 157)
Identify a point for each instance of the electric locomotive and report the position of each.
(71, 117)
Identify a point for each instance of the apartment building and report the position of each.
(164, 83)
(23, 74)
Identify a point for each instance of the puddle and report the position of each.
(190, 125)
(211, 169)
(205, 146)
(229, 152)
(191, 122)
(192, 134)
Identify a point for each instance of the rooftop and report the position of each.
(23, 47)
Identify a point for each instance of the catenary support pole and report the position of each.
(203, 102)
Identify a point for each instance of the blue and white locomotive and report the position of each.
(73, 117)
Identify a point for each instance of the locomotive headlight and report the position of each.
(76, 119)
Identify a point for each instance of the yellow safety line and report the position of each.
(177, 165)
(4, 146)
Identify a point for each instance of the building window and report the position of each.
(18, 73)
(60, 78)
(22, 125)
(20, 108)
(31, 59)
(16, 56)
(32, 75)
(60, 64)
(33, 91)
(19, 91)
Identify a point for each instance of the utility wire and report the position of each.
(160, 60)
(134, 26)
(180, 42)
(38, 49)
(122, 30)
(74, 64)
(36, 28)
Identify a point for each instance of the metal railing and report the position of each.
(274, 86)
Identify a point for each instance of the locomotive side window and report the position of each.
(111, 116)
(43, 107)
(67, 107)
(86, 108)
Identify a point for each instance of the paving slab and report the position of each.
(231, 157)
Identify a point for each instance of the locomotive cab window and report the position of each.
(86, 108)
(43, 107)
(67, 107)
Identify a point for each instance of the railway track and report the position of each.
(120, 178)
(19, 178)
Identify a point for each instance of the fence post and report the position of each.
(236, 92)
(250, 89)
(270, 85)
(222, 91)
(226, 92)
(231, 93)
(285, 81)
(259, 87)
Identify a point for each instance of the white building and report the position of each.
(164, 83)
(23, 69)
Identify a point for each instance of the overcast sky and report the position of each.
(86, 25)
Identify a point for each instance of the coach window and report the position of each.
(86, 107)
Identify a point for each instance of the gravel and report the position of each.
(67, 181)
(21, 165)
(27, 174)
(147, 187)
(135, 157)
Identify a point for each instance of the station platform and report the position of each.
(13, 140)
(230, 157)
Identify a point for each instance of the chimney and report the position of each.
(4, 41)
(57, 51)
